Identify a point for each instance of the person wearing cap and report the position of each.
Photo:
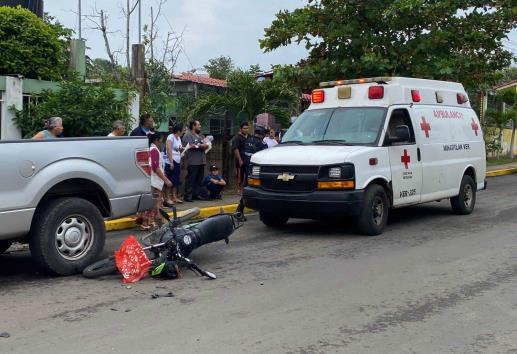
(253, 145)
(214, 183)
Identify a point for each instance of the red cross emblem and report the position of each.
(405, 159)
(474, 126)
(426, 127)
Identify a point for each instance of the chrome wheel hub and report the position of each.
(74, 237)
(468, 195)
(377, 210)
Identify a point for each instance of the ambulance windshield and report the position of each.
(350, 126)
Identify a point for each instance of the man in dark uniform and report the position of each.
(253, 145)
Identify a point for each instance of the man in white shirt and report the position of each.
(118, 129)
(270, 140)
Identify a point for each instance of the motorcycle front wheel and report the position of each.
(105, 266)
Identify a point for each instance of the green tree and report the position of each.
(458, 40)
(245, 95)
(32, 47)
(87, 110)
(159, 91)
(220, 67)
(499, 119)
(102, 69)
(509, 98)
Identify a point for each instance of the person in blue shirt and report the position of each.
(214, 183)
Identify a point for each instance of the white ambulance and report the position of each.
(366, 146)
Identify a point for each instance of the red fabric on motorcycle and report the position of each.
(132, 261)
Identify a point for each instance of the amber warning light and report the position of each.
(318, 96)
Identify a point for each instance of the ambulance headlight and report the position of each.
(335, 172)
(255, 171)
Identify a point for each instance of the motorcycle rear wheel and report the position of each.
(105, 266)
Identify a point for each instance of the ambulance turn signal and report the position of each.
(336, 184)
(318, 96)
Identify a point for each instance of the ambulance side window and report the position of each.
(399, 118)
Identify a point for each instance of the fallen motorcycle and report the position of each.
(175, 244)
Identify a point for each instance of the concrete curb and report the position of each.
(129, 222)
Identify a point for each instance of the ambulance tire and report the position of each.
(273, 220)
(374, 213)
(463, 203)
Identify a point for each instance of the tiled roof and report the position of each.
(199, 79)
(506, 85)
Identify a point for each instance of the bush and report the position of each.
(32, 47)
(87, 110)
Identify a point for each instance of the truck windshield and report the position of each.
(350, 126)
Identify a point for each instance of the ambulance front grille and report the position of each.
(291, 186)
(290, 169)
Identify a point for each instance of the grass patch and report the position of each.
(502, 161)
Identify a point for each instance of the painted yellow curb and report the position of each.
(502, 172)
(129, 222)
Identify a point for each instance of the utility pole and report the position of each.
(139, 21)
(80, 33)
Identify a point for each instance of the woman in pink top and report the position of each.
(158, 179)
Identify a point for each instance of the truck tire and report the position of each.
(463, 203)
(4, 245)
(273, 220)
(67, 235)
(373, 216)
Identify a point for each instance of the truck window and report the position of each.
(350, 125)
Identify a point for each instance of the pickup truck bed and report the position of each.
(56, 193)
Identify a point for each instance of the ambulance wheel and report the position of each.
(374, 212)
(273, 220)
(464, 203)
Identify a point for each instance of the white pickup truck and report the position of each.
(55, 195)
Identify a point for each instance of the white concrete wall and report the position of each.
(12, 96)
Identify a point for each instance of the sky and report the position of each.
(210, 28)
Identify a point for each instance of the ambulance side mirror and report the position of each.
(401, 135)
(402, 132)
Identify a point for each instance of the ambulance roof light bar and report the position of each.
(379, 80)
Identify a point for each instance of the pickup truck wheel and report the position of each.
(463, 203)
(374, 212)
(4, 246)
(273, 220)
(67, 235)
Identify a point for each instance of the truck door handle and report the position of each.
(418, 154)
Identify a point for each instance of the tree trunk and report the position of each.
(513, 139)
(500, 149)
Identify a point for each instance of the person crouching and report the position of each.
(214, 183)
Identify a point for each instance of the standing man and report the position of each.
(253, 145)
(196, 160)
(270, 140)
(145, 125)
(238, 145)
(118, 129)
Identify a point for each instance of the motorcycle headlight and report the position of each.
(335, 172)
(255, 171)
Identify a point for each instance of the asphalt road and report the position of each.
(432, 283)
